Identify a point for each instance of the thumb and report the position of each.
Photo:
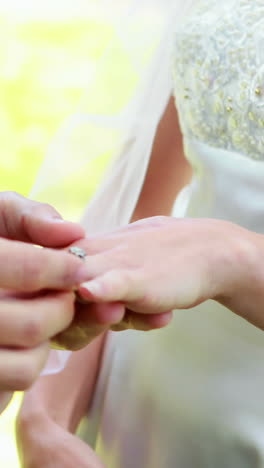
(39, 223)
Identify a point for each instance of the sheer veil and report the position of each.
(137, 60)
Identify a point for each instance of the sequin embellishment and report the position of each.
(218, 71)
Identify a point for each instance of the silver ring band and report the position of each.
(78, 252)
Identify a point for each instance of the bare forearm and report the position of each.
(65, 397)
(168, 170)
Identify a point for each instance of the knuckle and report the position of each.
(31, 273)
(10, 195)
(123, 257)
(160, 220)
(40, 208)
(68, 273)
(124, 278)
(148, 303)
(46, 206)
(117, 282)
(34, 209)
(154, 221)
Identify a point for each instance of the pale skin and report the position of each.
(36, 297)
(204, 259)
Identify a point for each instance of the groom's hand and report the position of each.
(25, 267)
(38, 223)
(36, 298)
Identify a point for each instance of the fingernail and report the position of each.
(58, 220)
(93, 287)
(52, 219)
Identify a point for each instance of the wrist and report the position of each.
(30, 425)
(63, 398)
(36, 411)
(231, 256)
(243, 274)
(32, 414)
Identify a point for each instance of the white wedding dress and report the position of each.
(192, 395)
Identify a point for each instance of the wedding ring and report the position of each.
(78, 252)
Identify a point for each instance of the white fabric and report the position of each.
(220, 95)
(191, 395)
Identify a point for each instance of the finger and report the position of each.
(20, 368)
(113, 286)
(83, 329)
(29, 268)
(107, 313)
(90, 321)
(143, 322)
(98, 264)
(101, 242)
(29, 323)
(159, 320)
(30, 221)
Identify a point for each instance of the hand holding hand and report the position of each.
(32, 308)
(91, 320)
(163, 263)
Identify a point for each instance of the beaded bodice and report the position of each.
(218, 70)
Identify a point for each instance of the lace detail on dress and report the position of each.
(218, 70)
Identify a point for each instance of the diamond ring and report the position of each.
(78, 252)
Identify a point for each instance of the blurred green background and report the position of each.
(48, 53)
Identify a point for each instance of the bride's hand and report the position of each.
(164, 263)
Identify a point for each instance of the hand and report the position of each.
(91, 320)
(30, 269)
(47, 445)
(162, 263)
(29, 313)
(27, 323)
(38, 223)
(27, 268)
